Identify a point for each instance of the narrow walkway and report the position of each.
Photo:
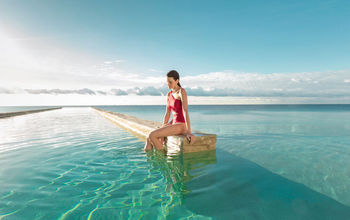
(141, 128)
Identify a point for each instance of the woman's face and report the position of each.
(171, 82)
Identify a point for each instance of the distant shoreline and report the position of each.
(57, 106)
(12, 114)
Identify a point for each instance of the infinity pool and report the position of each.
(269, 164)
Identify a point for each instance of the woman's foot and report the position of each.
(147, 148)
(148, 145)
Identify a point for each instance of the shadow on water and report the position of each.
(223, 186)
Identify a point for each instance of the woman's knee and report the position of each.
(151, 135)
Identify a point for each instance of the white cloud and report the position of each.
(326, 84)
(114, 61)
(156, 70)
(242, 88)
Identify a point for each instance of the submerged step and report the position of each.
(176, 143)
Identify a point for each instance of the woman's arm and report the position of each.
(166, 117)
(185, 110)
(167, 112)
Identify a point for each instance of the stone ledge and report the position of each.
(141, 128)
(11, 114)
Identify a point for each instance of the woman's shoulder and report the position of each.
(183, 91)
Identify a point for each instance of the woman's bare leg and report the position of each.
(164, 132)
(161, 139)
(148, 145)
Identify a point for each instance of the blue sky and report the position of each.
(148, 38)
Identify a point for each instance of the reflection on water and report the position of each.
(178, 168)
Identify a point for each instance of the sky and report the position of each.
(84, 52)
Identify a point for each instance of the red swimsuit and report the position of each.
(175, 105)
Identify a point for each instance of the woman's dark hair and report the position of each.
(175, 75)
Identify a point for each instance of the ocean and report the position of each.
(271, 162)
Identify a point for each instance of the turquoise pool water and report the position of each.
(272, 162)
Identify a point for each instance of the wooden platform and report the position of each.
(141, 128)
(11, 114)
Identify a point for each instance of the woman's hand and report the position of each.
(163, 125)
(191, 138)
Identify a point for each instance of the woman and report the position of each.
(180, 124)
